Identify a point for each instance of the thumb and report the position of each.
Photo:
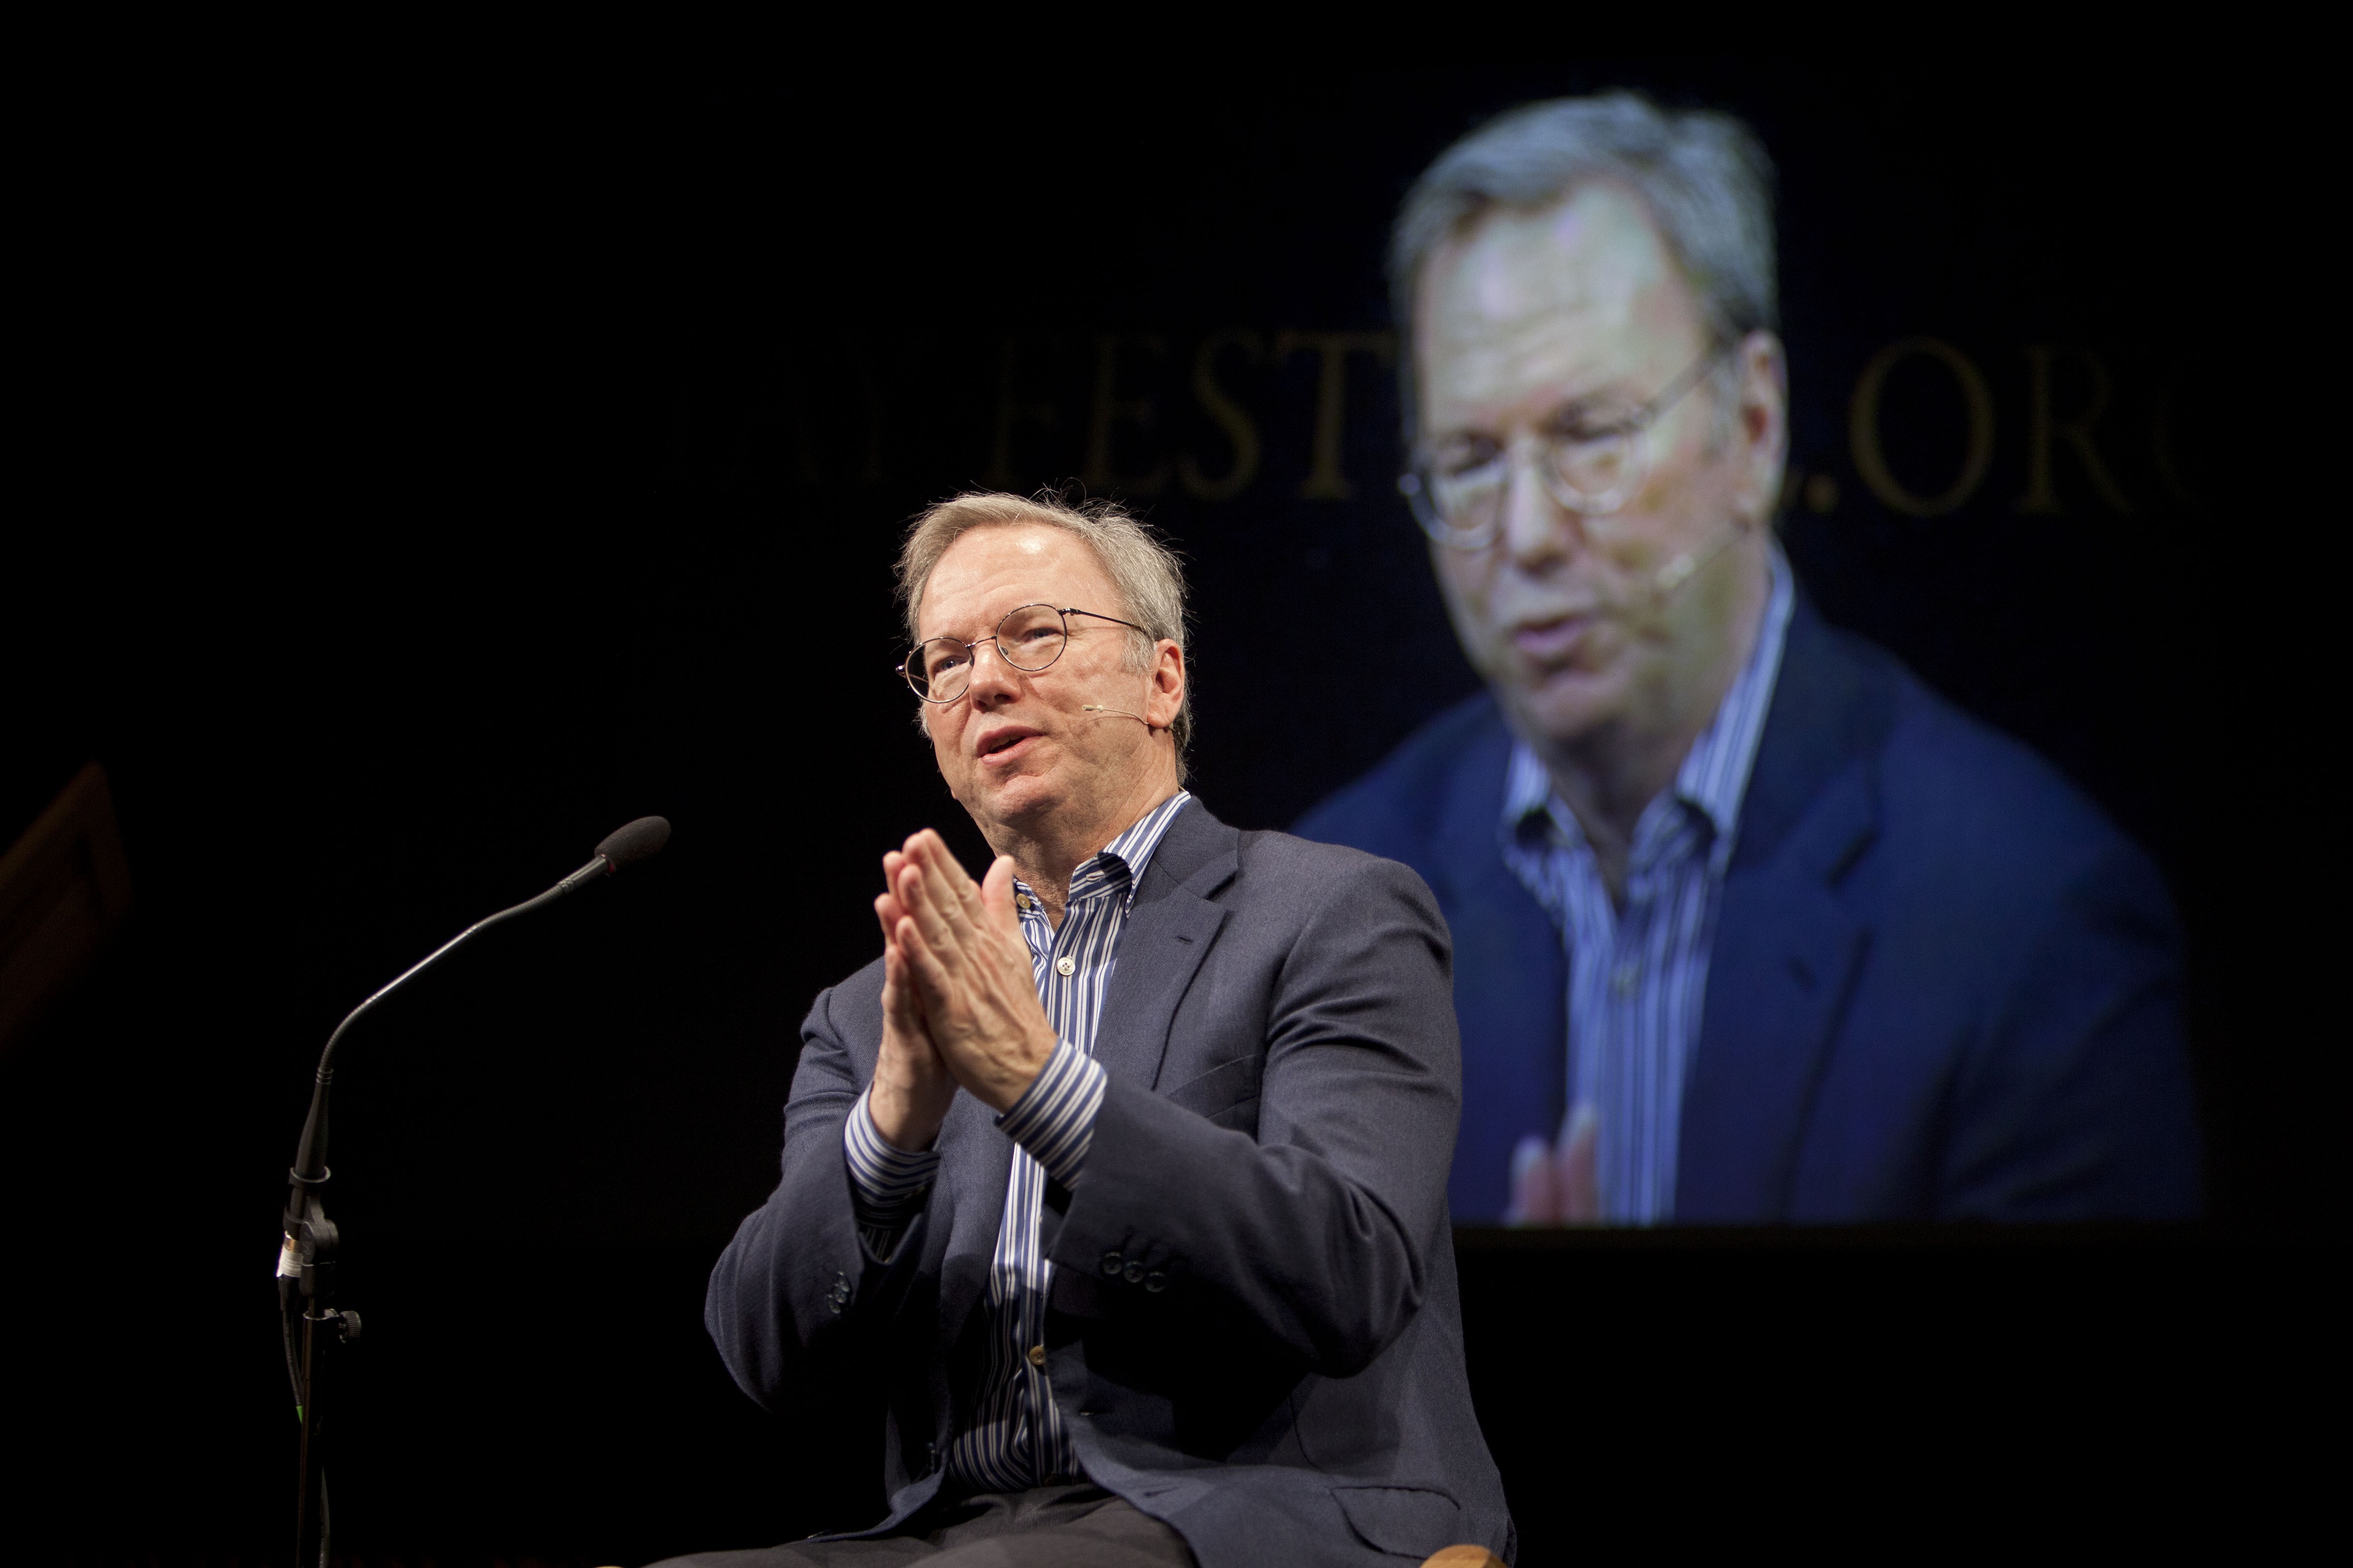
(997, 892)
(1532, 1196)
(1576, 1183)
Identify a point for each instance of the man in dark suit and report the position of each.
(1749, 925)
(1120, 1176)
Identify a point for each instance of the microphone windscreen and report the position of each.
(639, 840)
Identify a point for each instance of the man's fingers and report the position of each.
(966, 890)
(889, 908)
(923, 964)
(899, 1001)
(943, 996)
(894, 865)
(923, 848)
(921, 901)
(944, 878)
(936, 891)
(941, 877)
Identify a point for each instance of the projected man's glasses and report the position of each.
(1458, 494)
(1028, 639)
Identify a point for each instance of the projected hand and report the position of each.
(1557, 1185)
(970, 969)
(913, 1087)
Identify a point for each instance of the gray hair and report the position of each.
(1704, 177)
(1149, 578)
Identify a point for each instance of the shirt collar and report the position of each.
(1715, 775)
(1120, 865)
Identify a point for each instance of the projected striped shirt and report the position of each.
(1638, 975)
(1015, 1439)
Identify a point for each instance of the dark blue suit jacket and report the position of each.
(1943, 986)
(1254, 1333)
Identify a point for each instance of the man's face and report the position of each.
(1567, 317)
(1018, 744)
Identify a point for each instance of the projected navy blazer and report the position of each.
(1942, 986)
(1254, 1331)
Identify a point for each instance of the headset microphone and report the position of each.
(1099, 708)
(1686, 563)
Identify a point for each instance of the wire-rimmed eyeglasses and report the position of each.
(1458, 496)
(1028, 639)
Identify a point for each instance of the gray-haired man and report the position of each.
(1121, 1174)
(1749, 925)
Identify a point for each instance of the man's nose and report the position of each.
(993, 675)
(1537, 528)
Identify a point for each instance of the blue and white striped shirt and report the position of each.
(1015, 1439)
(1637, 977)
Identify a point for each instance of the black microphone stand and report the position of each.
(306, 1262)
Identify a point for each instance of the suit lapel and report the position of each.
(1787, 948)
(1167, 934)
(1784, 956)
(1511, 984)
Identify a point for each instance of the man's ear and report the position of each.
(1764, 424)
(1167, 683)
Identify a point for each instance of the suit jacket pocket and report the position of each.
(1221, 1089)
(1413, 1521)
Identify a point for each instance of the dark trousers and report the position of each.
(1078, 1526)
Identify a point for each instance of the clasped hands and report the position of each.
(960, 1005)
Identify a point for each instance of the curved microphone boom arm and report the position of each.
(624, 846)
(306, 1260)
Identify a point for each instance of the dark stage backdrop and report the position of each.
(422, 483)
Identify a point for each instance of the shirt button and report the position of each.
(1037, 1355)
(1112, 1260)
(1134, 1272)
(1155, 1282)
(1623, 980)
(1066, 964)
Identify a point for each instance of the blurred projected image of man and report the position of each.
(1749, 925)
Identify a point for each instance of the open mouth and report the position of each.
(1553, 640)
(1004, 743)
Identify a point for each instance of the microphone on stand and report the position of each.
(641, 840)
(306, 1260)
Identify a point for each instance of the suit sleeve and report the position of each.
(1314, 1232)
(2078, 1107)
(798, 1277)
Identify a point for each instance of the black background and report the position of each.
(418, 484)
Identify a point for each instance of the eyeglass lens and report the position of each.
(1028, 639)
(1587, 475)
